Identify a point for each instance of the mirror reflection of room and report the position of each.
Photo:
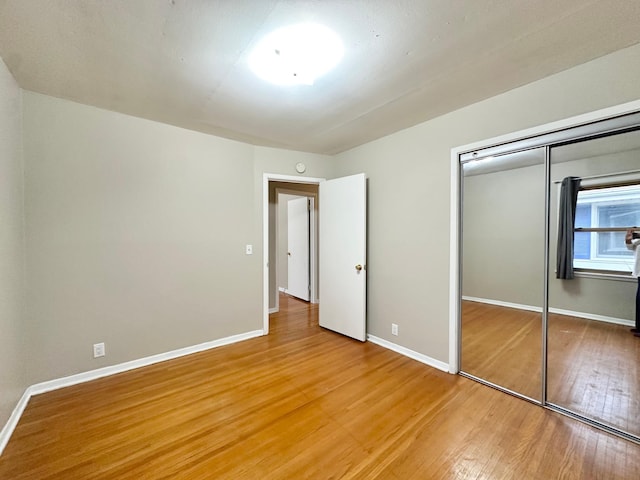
(593, 350)
(503, 270)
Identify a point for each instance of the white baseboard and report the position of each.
(83, 377)
(558, 311)
(9, 427)
(432, 362)
(593, 316)
(273, 310)
(282, 289)
(500, 303)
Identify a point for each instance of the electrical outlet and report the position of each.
(98, 350)
(394, 329)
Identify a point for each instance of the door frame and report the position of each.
(266, 178)
(313, 247)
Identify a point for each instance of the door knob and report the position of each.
(358, 267)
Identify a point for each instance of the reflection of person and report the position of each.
(634, 244)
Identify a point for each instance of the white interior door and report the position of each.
(342, 244)
(298, 248)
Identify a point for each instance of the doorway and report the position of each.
(273, 186)
(294, 253)
(295, 223)
(342, 261)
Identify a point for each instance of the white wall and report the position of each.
(409, 175)
(503, 235)
(12, 378)
(137, 234)
(504, 260)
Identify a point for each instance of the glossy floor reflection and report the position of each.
(593, 366)
(594, 370)
(503, 346)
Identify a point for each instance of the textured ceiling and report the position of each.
(184, 62)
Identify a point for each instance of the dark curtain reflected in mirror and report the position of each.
(503, 270)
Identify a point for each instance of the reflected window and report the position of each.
(609, 211)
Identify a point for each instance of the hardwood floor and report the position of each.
(300, 403)
(594, 370)
(593, 367)
(503, 345)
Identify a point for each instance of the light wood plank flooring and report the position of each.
(593, 367)
(300, 403)
(503, 345)
(594, 370)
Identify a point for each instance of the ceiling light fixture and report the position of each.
(297, 54)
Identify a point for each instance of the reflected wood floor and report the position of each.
(300, 403)
(503, 345)
(594, 367)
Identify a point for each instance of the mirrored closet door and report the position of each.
(548, 289)
(503, 270)
(593, 357)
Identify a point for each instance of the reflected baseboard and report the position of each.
(558, 311)
(500, 303)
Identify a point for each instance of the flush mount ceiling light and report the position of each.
(296, 55)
